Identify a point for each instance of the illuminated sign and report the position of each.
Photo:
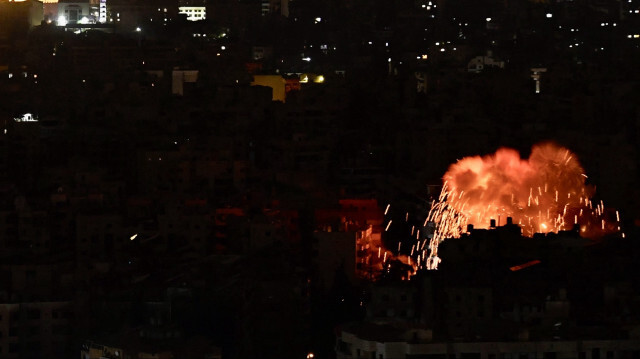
(27, 117)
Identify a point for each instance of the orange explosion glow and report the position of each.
(545, 193)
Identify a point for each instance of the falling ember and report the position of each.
(387, 209)
(478, 189)
(388, 225)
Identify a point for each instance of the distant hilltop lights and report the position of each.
(27, 117)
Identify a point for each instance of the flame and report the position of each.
(545, 193)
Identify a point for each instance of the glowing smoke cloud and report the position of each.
(545, 193)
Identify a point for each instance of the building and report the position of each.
(395, 342)
(193, 13)
(18, 17)
(129, 15)
(275, 82)
(279, 7)
(335, 252)
(393, 302)
(76, 12)
(480, 63)
(35, 329)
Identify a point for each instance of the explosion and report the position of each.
(545, 193)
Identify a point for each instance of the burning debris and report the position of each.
(545, 193)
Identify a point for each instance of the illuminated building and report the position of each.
(131, 14)
(275, 82)
(281, 86)
(348, 238)
(76, 12)
(102, 11)
(194, 13)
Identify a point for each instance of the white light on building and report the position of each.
(62, 20)
(27, 117)
(103, 11)
(194, 13)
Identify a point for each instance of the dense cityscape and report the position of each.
(347, 179)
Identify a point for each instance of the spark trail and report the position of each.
(545, 193)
